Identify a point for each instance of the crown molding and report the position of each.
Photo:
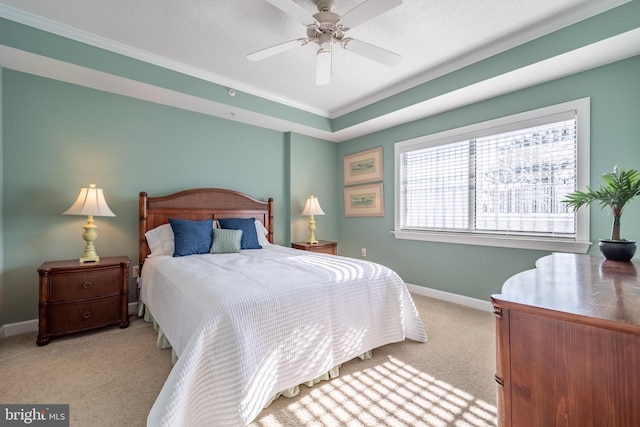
(595, 55)
(75, 34)
(470, 57)
(474, 55)
(616, 48)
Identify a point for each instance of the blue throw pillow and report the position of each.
(191, 237)
(248, 227)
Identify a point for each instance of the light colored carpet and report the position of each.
(111, 377)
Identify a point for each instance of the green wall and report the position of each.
(478, 271)
(29, 39)
(314, 171)
(60, 137)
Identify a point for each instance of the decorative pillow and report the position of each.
(262, 234)
(226, 241)
(248, 227)
(191, 237)
(160, 240)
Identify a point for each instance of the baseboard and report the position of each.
(449, 297)
(18, 328)
(26, 326)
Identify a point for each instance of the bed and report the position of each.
(248, 324)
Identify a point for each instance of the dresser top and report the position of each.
(581, 285)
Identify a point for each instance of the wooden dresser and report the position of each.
(568, 344)
(323, 246)
(77, 297)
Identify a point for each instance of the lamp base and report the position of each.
(89, 254)
(312, 231)
(90, 234)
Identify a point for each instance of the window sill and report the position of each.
(496, 241)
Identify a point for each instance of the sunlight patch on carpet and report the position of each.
(392, 394)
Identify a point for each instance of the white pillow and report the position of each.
(160, 240)
(262, 234)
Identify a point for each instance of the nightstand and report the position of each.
(77, 297)
(323, 246)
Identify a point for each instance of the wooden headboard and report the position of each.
(199, 204)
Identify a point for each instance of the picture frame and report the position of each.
(364, 200)
(363, 167)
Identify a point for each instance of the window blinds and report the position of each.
(507, 180)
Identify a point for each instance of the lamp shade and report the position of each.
(90, 202)
(312, 207)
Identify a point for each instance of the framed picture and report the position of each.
(365, 166)
(364, 200)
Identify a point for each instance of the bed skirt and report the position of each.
(163, 342)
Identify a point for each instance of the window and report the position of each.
(498, 183)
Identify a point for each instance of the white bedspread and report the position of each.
(247, 326)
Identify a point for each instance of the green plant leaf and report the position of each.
(618, 188)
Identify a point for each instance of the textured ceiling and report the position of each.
(211, 38)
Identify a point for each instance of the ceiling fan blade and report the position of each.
(291, 8)
(274, 50)
(365, 11)
(323, 66)
(370, 51)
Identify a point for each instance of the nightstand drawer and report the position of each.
(331, 250)
(78, 316)
(323, 247)
(84, 284)
(78, 297)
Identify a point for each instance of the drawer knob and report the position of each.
(87, 284)
(86, 314)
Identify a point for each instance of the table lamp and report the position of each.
(311, 208)
(90, 202)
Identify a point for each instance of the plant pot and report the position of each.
(617, 250)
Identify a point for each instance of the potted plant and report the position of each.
(619, 188)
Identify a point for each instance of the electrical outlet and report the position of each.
(363, 252)
(136, 271)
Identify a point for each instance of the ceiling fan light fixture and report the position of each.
(323, 66)
(325, 41)
(326, 26)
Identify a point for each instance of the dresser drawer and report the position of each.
(84, 284)
(78, 316)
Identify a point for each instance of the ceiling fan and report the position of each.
(327, 28)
